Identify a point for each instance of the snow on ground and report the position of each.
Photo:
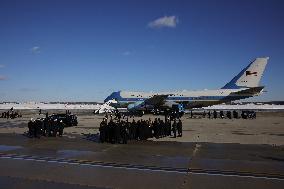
(29, 106)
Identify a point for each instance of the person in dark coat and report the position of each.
(235, 114)
(111, 126)
(229, 114)
(123, 132)
(179, 128)
(54, 128)
(221, 114)
(174, 128)
(60, 128)
(102, 130)
(48, 127)
(31, 128)
(215, 114)
(168, 126)
(117, 127)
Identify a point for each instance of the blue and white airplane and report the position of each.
(244, 85)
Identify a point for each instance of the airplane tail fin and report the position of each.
(250, 76)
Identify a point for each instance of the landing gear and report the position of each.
(156, 112)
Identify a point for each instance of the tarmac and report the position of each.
(219, 153)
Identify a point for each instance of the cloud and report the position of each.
(166, 21)
(2, 78)
(35, 50)
(2, 65)
(126, 53)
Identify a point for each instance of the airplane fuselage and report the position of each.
(189, 98)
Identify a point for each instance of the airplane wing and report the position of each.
(250, 91)
(156, 100)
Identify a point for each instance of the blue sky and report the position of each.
(83, 50)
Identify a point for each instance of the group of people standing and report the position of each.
(10, 114)
(222, 114)
(120, 131)
(45, 127)
(226, 114)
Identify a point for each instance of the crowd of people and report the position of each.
(120, 131)
(45, 127)
(10, 114)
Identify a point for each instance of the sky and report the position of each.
(82, 50)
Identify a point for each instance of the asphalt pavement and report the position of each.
(82, 163)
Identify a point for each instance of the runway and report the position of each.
(77, 162)
(150, 164)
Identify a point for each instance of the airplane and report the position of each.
(243, 85)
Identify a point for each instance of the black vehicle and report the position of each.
(248, 114)
(68, 119)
